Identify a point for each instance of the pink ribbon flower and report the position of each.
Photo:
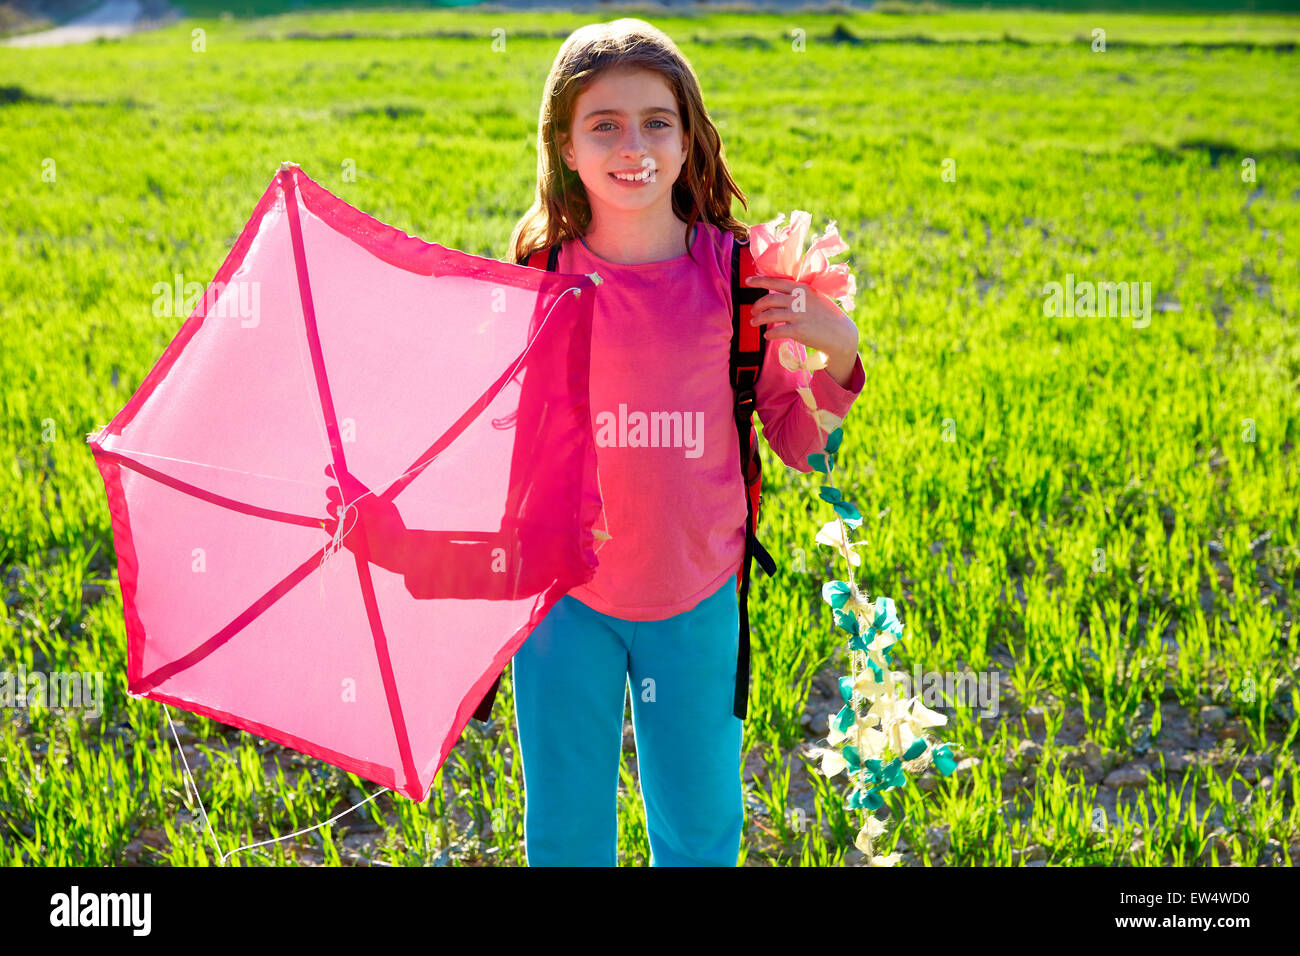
(778, 251)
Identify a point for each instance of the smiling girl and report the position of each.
(633, 184)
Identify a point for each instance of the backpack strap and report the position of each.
(547, 259)
(748, 349)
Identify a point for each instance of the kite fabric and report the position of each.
(451, 388)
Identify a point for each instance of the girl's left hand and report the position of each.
(379, 520)
(809, 317)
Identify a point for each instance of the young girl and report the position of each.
(631, 179)
(632, 182)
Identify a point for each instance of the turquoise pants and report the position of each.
(570, 681)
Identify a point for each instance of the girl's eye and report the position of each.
(597, 127)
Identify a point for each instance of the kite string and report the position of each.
(119, 450)
(604, 514)
(336, 541)
(309, 829)
(193, 789)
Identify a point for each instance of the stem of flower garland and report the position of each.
(873, 626)
(856, 667)
(874, 630)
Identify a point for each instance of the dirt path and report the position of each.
(113, 18)
(117, 18)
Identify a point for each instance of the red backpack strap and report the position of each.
(546, 259)
(748, 349)
(748, 346)
(543, 258)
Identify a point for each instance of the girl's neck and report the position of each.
(630, 242)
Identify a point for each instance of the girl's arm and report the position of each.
(518, 561)
(484, 566)
(435, 564)
(788, 423)
(442, 564)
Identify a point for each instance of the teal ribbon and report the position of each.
(914, 751)
(884, 621)
(886, 776)
(848, 621)
(836, 593)
(822, 462)
(875, 668)
(844, 719)
(845, 509)
(886, 617)
(852, 758)
(865, 800)
(943, 761)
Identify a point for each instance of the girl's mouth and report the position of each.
(641, 179)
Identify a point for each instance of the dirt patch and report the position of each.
(112, 18)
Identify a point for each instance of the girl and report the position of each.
(632, 182)
(631, 179)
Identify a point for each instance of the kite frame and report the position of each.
(398, 249)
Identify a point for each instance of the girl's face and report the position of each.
(627, 141)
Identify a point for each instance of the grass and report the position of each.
(1104, 516)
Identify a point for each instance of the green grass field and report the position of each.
(1104, 515)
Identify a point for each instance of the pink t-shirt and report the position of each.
(666, 445)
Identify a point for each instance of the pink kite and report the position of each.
(450, 389)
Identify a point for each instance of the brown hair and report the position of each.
(561, 208)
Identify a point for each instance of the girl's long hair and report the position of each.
(561, 209)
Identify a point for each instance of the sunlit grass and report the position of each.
(1105, 514)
